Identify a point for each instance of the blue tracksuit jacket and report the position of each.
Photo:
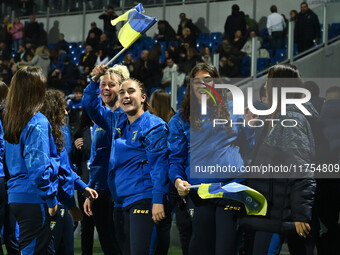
(209, 146)
(138, 166)
(33, 164)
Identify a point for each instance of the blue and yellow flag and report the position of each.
(254, 202)
(136, 25)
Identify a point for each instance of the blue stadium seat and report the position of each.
(216, 36)
(79, 44)
(173, 42)
(334, 30)
(262, 64)
(13, 54)
(180, 95)
(281, 55)
(203, 36)
(245, 66)
(51, 46)
(72, 45)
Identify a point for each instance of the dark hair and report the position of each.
(235, 7)
(279, 76)
(312, 87)
(193, 115)
(25, 98)
(161, 104)
(78, 89)
(304, 3)
(54, 110)
(85, 122)
(273, 8)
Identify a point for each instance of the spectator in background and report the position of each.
(32, 31)
(275, 26)
(17, 32)
(293, 14)
(187, 37)
(94, 29)
(87, 59)
(62, 45)
(20, 53)
(128, 62)
(170, 68)
(247, 47)
(7, 30)
(235, 21)
(41, 58)
(5, 54)
(75, 108)
(315, 100)
(70, 75)
(104, 44)
(154, 68)
(307, 28)
(226, 49)
(206, 55)
(140, 69)
(187, 23)
(165, 32)
(109, 30)
(102, 57)
(239, 40)
(55, 81)
(92, 40)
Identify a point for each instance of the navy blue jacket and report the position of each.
(138, 167)
(33, 164)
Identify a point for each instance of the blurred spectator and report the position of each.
(92, 40)
(104, 44)
(20, 53)
(7, 27)
(315, 100)
(293, 14)
(247, 48)
(191, 59)
(41, 58)
(5, 54)
(62, 45)
(187, 23)
(206, 55)
(170, 68)
(307, 28)
(154, 68)
(75, 110)
(187, 37)
(140, 68)
(165, 32)
(94, 29)
(226, 49)
(17, 32)
(55, 81)
(239, 40)
(128, 61)
(229, 67)
(88, 58)
(251, 25)
(109, 30)
(32, 31)
(69, 76)
(102, 57)
(84, 78)
(235, 21)
(275, 26)
(42, 35)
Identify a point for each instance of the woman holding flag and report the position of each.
(138, 164)
(192, 141)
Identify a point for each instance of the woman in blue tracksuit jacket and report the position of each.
(54, 109)
(138, 162)
(199, 144)
(32, 160)
(102, 209)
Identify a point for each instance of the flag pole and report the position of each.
(112, 59)
(193, 186)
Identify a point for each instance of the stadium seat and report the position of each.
(262, 64)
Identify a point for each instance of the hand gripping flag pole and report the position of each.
(254, 202)
(137, 24)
